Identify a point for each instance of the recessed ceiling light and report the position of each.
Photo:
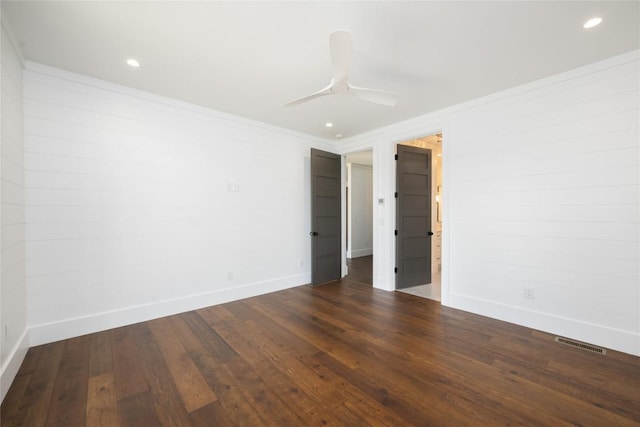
(592, 22)
(132, 62)
(339, 135)
(329, 124)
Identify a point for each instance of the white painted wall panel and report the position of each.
(586, 193)
(139, 206)
(541, 189)
(13, 309)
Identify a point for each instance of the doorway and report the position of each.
(420, 249)
(359, 216)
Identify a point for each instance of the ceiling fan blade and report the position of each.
(376, 96)
(322, 92)
(340, 47)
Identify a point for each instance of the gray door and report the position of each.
(413, 216)
(326, 251)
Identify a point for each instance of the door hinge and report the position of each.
(395, 232)
(395, 269)
(395, 157)
(395, 195)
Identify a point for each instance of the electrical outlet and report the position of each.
(529, 293)
(300, 263)
(230, 275)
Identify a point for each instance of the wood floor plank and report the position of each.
(381, 394)
(271, 409)
(100, 356)
(268, 404)
(349, 368)
(69, 395)
(548, 406)
(212, 414)
(206, 336)
(338, 354)
(31, 360)
(101, 408)
(11, 402)
(34, 405)
(193, 388)
(602, 398)
(18, 389)
(210, 364)
(319, 384)
(304, 390)
(127, 367)
(137, 410)
(166, 398)
(238, 408)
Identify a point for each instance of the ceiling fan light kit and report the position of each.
(341, 49)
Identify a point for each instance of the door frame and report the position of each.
(384, 184)
(445, 207)
(345, 269)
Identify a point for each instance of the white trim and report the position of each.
(615, 339)
(412, 128)
(11, 366)
(344, 270)
(356, 253)
(364, 146)
(103, 85)
(56, 331)
(445, 242)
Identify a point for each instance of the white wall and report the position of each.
(360, 210)
(540, 190)
(13, 315)
(138, 206)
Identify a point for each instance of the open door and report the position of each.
(326, 237)
(413, 216)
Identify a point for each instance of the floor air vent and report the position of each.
(581, 345)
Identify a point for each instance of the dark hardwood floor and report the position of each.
(341, 354)
(361, 269)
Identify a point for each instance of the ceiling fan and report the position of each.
(340, 45)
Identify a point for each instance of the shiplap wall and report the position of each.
(139, 206)
(545, 196)
(128, 195)
(540, 190)
(13, 311)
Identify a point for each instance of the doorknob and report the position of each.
(313, 233)
(429, 233)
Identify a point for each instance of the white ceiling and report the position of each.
(250, 58)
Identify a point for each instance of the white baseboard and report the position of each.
(615, 339)
(56, 331)
(357, 253)
(11, 366)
